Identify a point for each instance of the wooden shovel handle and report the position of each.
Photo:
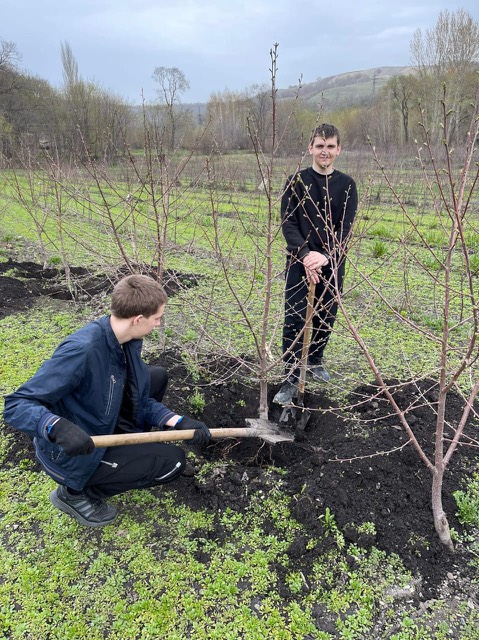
(120, 439)
(308, 329)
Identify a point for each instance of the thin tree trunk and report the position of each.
(440, 519)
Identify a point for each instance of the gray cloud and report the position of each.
(218, 45)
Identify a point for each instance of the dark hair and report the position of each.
(325, 131)
(137, 295)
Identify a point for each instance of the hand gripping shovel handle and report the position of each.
(120, 439)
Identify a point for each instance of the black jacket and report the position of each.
(317, 212)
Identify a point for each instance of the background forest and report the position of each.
(381, 104)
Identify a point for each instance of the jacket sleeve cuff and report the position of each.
(48, 419)
(165, 415)
(303, 252)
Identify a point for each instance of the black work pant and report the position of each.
(138, 466)
(326, 307)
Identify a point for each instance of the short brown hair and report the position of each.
(325, 131)
(137, 295)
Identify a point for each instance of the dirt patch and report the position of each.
(333, 464)
(26, 281)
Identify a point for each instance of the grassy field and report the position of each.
(143, 581)
(220, 234)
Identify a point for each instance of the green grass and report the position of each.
(28, 339)
(131, 580)
(468, 502)
(143, 580)
(218, 231)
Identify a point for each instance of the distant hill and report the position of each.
(344, 89)
(354, 87)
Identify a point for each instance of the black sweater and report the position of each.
(317, 212)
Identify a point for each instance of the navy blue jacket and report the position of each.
(83, 381)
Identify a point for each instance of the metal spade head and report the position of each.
(269, 431)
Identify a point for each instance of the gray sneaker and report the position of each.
(319, 373)
(286, 394)
(91, 512)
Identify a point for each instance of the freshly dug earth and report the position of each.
(25, 281)
(334, 463)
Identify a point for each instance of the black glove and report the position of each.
(202, 433)
(71, 438)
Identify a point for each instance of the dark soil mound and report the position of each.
(360, 466)
(28, 280)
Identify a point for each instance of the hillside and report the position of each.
(346, 88)
(353, 87)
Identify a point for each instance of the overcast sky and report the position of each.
(218, 44)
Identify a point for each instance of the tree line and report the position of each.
(81, 117)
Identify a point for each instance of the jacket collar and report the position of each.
(113, 344)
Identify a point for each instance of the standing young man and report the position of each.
(317, 210)
(96, 383)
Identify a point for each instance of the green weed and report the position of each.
(381, 231)
(197, 403)
(368, 528)
(432, 264)
(379, 249)
(467, 502)
(474, 264)
(331, 528)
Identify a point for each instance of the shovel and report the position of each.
(298, 412)
(260, 428)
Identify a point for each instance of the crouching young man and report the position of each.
(96, 383)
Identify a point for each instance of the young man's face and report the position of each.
(143, 325)
(324, 153)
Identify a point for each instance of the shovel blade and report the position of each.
(302, 419)
(296, 416)
(269, 431)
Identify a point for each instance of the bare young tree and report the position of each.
(29, 188)
(256, 299)
(451, 188)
